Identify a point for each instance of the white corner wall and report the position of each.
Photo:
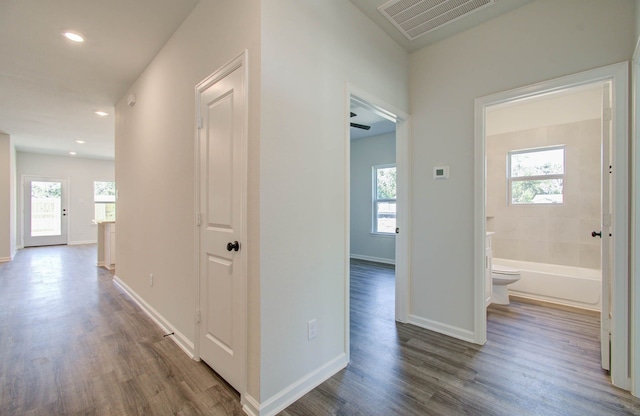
(81, 172)
(13, 199)
(366, 153)
(155, 168)
(7, 212)
(540, 41)
(635, 196)
(310, 51)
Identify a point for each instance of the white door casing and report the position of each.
(222, 154)
(58, 219)
(605, 229)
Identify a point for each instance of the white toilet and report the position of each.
(502, 276)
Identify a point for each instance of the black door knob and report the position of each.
(235, 246)
(594, 234)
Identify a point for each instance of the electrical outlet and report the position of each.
(312, 329)
(150, 279)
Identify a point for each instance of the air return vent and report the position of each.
(415, 18)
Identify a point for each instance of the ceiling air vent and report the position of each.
(415, 18)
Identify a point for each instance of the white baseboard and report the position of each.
(5, 259)
(100, 264)
(441, 328)
(294, 391)
(374, 259)
(183, 342)
(78, 243)
(250, 405)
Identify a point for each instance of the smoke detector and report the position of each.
(415, 18)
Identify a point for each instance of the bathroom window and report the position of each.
(384, 199)
(104, 198)
(536, 176)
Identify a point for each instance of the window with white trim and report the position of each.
(104, 198)
(384, 199)
(536, 176)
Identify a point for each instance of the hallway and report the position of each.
(72, 343)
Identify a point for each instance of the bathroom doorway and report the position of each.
(540, 212)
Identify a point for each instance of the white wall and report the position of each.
(7, 173)
(311, 49)
(13, 199)
(366, 153)
(81, 172)
(577, 104)
(542, 40)
(635, 189)
(155, 167)
(637, 21)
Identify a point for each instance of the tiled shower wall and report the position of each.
(556, 233)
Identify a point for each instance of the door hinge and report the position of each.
(199, 123)
(197, 316)
(607, 114)
(198, 219)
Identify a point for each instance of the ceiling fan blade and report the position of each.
(360, 126)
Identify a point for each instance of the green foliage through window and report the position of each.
(104, 196)
(104, 191)
(384, 199)
(537, 176)
(46, 189)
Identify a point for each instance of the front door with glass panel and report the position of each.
(45, 211)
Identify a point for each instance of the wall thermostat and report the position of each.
(441, 172)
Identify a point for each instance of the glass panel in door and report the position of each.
(46, 209)
(45, 212)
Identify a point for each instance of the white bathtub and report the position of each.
(564, 285)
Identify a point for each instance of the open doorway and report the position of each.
(384, 211)
(373, 202)
(612, 217)
(373, 186)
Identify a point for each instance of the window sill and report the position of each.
(383, 235)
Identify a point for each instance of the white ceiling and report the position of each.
(370, 8)
(379, 125)
(50, 87)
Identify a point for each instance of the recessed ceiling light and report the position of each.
(102, 113)
(73, 36)
(72, 153)
(80, 141)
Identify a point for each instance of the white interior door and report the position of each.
(45, 211)
(222, 160)
(605, 231)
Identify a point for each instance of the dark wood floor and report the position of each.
(72, 343)
(537, 361)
